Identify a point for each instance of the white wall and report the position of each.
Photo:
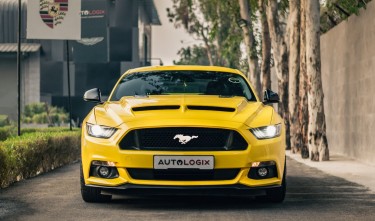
(348, 72)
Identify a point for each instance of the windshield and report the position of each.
(183, 82)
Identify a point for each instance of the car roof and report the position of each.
(184, 68)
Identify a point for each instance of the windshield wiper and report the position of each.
(140, 96)
(226, 96)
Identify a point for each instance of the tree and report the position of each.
(303, 114)
(249, 40)
(335, 11)
(317, 139)
(280, 55)
(184, 14)
(266, 47)
(215, 25)
(295, 50)
(294, 63)
(195, 54)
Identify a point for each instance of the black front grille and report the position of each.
(184, 139)
(183, 174)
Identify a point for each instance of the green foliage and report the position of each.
(284, 7)
(214, 23)
(4, 165)
(33, 109)
(42, 113)
(35, 153)
(11, 131)
(335, 11)
(4, 120)
(7, 131)
(46, 130)
(192, 55)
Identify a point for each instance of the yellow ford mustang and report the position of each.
(183, 130)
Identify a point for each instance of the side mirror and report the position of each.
(270, 97)
(93, 95)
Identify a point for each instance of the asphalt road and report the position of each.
(311, 195)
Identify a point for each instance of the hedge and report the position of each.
(34, 153)
(11, 131)
(4, 120)
(7, 131)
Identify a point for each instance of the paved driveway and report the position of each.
(311, 195)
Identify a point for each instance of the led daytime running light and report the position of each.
(99, 131)
(267, 132)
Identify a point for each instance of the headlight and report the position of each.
(267, 132)
(100, 131)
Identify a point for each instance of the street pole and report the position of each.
(69, 96)
(19, 70)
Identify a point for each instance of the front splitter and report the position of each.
(219, 190)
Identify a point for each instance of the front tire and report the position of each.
(92, 194)
(277, 195)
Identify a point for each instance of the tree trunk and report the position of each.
(284, 94)
(294, 46)
(208, 47)
(280, 55)
(266, 48)
(249, 40)
(303, 111)
(318, 144)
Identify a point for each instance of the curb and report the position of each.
(343, 167)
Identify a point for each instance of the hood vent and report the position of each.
(150, 108)
(211, 108)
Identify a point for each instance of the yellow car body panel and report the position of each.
(120, 115)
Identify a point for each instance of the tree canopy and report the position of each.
(214, 24)
(332, 12)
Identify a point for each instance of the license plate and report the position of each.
(184, 162)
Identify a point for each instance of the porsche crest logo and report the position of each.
(53, 12)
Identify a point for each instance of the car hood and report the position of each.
(164, 107)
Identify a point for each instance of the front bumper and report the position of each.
(257, 151)
(218, 190)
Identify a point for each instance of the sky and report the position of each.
(166, 40)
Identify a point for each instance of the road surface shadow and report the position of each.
(56, 196)
(306, 188)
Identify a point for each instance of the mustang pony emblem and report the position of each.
(184, 139)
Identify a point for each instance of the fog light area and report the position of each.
(103, 163)
(103, 172)
(263, 164)
(103, 169)
(263, 170)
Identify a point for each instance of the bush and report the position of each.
(45, 130)
(4, 164)
(35, 153)
(7, 131)
(35, 108)
(11, 131)
(4, 120)
(42, 113)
